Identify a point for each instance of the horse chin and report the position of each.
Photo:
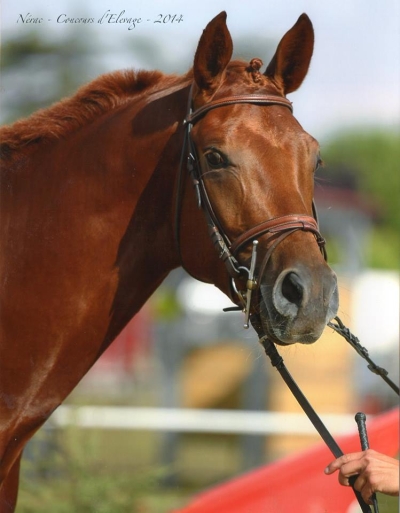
(286, 340)
(285, 332)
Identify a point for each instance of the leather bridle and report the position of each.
(278, 228)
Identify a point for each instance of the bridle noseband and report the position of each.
(278, 228)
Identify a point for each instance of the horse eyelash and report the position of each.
(320, 164)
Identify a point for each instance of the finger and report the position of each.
(333, 466)
(339, 462)
(343, 480)
(366, 493)
(353, 467)
(360, 484)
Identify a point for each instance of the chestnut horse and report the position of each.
(95, 212)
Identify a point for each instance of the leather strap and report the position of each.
(279, 224)
(263, 99)
(279, 364)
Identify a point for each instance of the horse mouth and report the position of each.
(285, 334)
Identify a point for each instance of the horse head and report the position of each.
(256, 165)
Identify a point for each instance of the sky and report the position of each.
(354, 76)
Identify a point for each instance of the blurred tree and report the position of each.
(37, 71)
(373, 157)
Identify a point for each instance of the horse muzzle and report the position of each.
(300, 302)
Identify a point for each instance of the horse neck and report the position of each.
(146, 250)
(102, 200)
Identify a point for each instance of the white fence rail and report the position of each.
(196, 420)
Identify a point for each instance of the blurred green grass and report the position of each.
(98, 471)
(83, 475)
(388, 504)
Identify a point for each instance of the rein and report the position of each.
(277, 362)
(278, 229)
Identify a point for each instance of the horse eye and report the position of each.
(318, 163)
(215, 159)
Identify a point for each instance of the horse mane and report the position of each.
(90, 101)
(98, 97)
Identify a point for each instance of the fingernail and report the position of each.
(326, 470)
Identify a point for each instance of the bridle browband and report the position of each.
(260, 99)
(278, 228)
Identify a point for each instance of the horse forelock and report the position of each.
(91, 100)
(248, 73)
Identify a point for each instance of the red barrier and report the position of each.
(298, 483)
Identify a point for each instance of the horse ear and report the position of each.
(213, 53)
(291, 61)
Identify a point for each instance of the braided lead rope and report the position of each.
(342, 330)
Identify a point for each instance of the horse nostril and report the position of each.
(292, 289)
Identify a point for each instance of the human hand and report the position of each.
(376, 472)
